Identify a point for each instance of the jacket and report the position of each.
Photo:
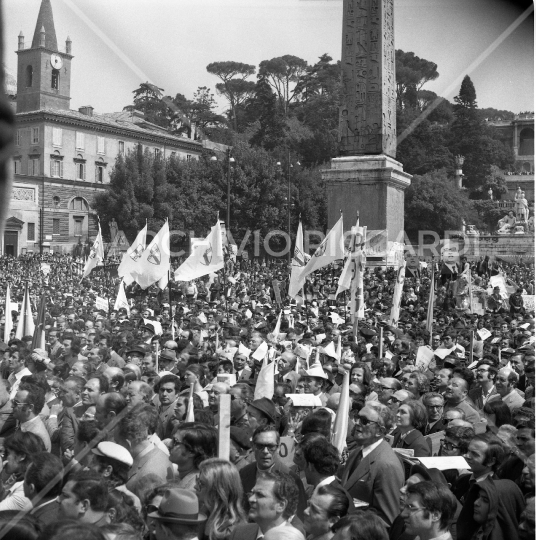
(376, 480)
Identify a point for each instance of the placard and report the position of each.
(444, 463)
(101, 303)
(287, 449)
(227, 378)
(484, 333)
(305, 400)
(424, 357)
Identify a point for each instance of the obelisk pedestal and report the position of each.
(374, 186)
(367, 178)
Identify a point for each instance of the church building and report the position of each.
(64, 157)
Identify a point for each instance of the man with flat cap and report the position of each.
(178, 517)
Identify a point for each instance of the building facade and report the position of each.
(63, 158)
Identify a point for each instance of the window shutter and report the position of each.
(100, 145)
(80, 140)
(57, 136)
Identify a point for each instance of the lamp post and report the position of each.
(459, 174)
(230, 161)
(289, 199)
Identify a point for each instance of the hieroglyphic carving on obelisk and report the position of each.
(367, 115)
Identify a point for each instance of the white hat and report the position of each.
(316, 371)
(114, 451)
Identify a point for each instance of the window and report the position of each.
(99, 174)
(31, 232)
(78, 226)
(80, 171)
(173, 154)
(55, 226)
(18, 168)
(29, 76)
(157, 153)
(80, 140)
(79, 203)
(121, 147)
(57, 136)
(33, 167)
(35, 135)
(19, 137)
(56, 168)
(56, 201)
(55, 81)
(100, 145)
(188, 157)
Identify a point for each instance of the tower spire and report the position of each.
(45, 20)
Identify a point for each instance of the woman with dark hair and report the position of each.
(410, 421)
(191, 444)
(497, 414)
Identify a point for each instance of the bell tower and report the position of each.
(43, 71)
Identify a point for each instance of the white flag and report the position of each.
(340, 426)
(205, 259)
(358, 264)
(25, 325)
(129, 265)
(121, 300)
(298, 261)
(397, 296)
(330, 250)
(265, 382)
(96, 255)
(345, 279)
(8, 326)
(153, 265)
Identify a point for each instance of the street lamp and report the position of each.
(459, 174)
(289, 200)
(230, 162)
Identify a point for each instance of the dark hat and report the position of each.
(148, 327)
(265, 406)
(367, 332)
(168, 355)
(140, 349)
(179, 506)
(430, 475)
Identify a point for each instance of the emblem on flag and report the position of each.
(321, 248)
(154, 256)
(207, 256)
(136, 254)
(93, 252)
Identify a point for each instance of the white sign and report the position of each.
(101, 303)
(424, 357)
(287, 449)
(444, 463)
(305, 400)
(484, 333)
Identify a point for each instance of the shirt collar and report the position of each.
(368, 449)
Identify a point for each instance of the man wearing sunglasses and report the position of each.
(266, 448)
(373, 473)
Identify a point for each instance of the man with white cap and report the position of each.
(315, 381)
(113, 462)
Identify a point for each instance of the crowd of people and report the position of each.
(112, 430)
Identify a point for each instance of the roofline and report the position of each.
(92, 123)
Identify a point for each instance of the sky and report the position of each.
(119, 44)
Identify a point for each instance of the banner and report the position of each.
(397, 296)
(129, 264)
(96, 255)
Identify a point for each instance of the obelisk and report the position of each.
(366, 177)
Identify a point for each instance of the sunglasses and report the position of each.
(364, 421)
(270, 447)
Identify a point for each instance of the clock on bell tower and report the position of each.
(43, 71)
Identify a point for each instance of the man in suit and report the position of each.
(485, 379)
(373, 473)
(455, 398)
(134, 431)
(505, 383)
(273, 500)
(242, 371)
(434, 404)
(265, 448)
